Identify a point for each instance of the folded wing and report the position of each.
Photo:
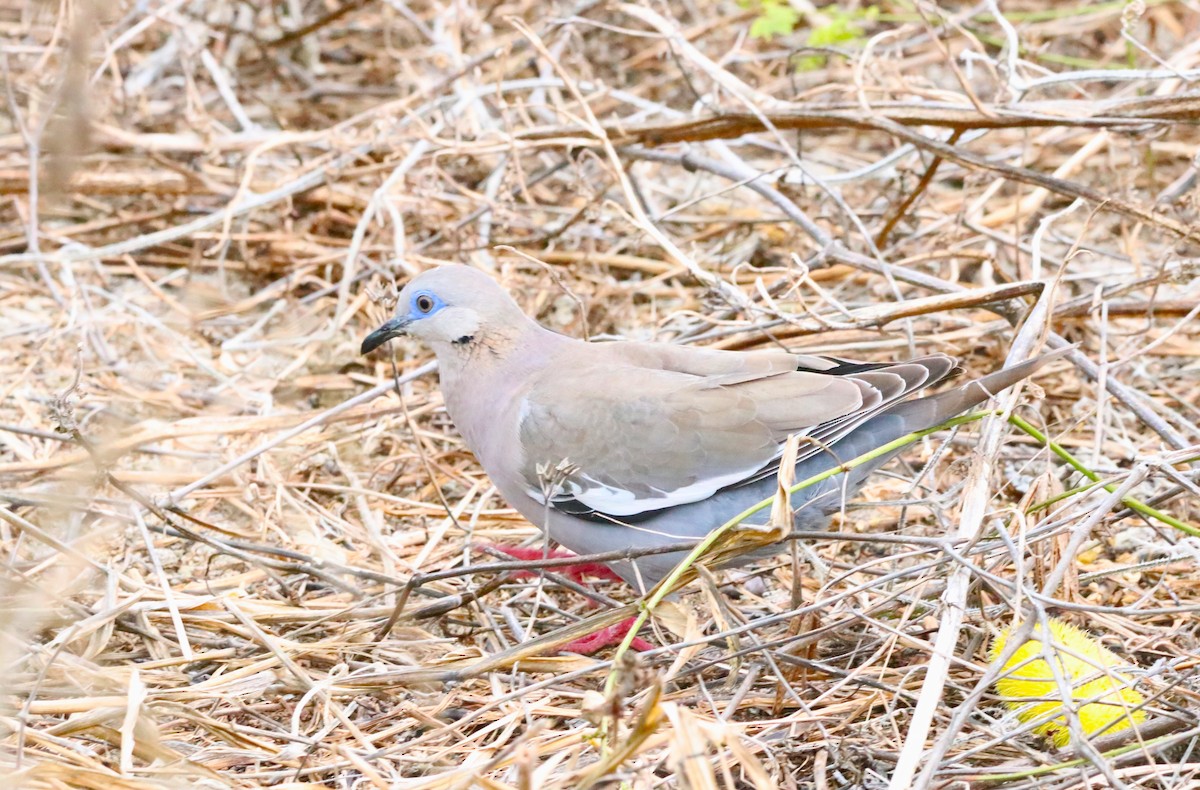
(641, 429)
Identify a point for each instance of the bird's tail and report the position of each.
(922, 413)
(917, 414)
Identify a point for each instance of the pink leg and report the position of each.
(575, 572)
(605, 637)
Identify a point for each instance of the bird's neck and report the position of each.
(485, 348)
(481, 379)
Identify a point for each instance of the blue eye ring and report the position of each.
(425, 303)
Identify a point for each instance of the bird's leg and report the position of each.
(576, 573)
(606, 637)
(585, 645)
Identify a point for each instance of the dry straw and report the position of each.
(212, 506)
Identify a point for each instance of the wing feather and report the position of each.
(647, 428)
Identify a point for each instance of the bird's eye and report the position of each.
(424, 303)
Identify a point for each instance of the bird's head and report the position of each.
(448, 306)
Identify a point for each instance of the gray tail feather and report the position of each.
(922, 413)
(917, 415)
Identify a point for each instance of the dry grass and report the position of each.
(206, 205)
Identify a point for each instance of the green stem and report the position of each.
(1054, 500)
(1129, 502)
(1049, 769)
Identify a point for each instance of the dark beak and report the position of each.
(383, 334)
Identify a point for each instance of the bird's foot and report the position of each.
(606, 637)
(576, 572)
(584, 645)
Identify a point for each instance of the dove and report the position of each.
(627, 445)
